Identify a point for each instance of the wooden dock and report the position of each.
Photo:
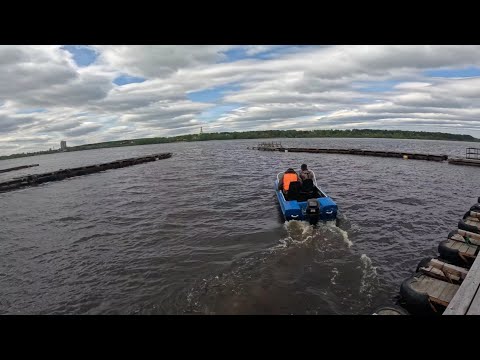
(468, 162)
(392, 154)
(438, 291)
(61, 174)
(467, 299)
(17, 168)
(450, 283)
(472, 158)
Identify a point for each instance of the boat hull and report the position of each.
(297, 210)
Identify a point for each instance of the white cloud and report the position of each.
(45, 97)
(411, 85)
(158, 60)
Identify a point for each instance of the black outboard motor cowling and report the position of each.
(313, 211)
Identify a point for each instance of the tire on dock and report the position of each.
(462, 224)
(475, 207)
(451, 255)
(423, 263)
(425, 295)
(441, 269)
(390, 310)
(416, 302)
(457, 252)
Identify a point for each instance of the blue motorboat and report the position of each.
(306, 202)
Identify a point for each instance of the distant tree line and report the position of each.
(267, 134)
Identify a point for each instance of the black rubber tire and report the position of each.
(451, 233)
(416, 303)
(423, 263)
(399, 310)
(464, 226)
(475, 207)
(449, 254)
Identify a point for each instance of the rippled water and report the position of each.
(202, 232)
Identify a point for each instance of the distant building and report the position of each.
(63, 145)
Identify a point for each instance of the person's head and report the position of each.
(303, 167)
(289, 170)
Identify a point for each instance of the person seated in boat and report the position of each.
(287, 177)
(304, 173)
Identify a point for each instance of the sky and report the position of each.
(88, 93)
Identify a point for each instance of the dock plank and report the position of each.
(457, 237)
(453, 269)
(445, 270)
(474, 238)
(464, 248)
(475, 305)
(449, 292)
(437, 273)
(455, 245)
(460, 303)
(471, 251)
(436, 288)
(439, 291)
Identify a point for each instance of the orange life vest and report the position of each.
(287, 179)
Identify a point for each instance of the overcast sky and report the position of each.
(86, 94)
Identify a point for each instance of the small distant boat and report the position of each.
(306, 202)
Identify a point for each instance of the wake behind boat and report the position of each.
(305, 201)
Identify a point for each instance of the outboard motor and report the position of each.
(313, 211)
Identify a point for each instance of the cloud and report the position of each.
(83, 129)
(14, 123)
(230, 88)
(161, 60)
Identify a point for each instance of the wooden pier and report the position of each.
(472, 158)
(392, 154)
(467, 298)
(468, 162)
(61, 174)
(17, 168)
(450, 283)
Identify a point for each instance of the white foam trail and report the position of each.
(300, 232)
(345, 237)
(369, 275)
(335, 273)
(331, 225)
(283, 243)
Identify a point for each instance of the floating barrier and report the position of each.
(61, 174)
(17, 168)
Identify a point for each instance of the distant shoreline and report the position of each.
(267, 134)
